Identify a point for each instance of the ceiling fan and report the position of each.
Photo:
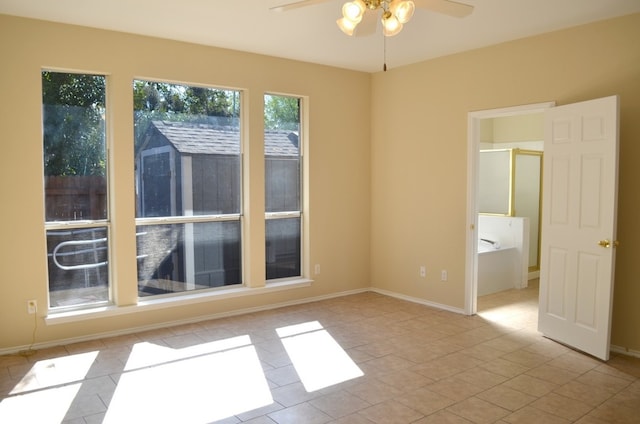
(359, 16)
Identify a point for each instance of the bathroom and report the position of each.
(510, 177)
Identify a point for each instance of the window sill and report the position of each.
(167, 302)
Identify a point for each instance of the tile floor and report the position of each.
(365, 358)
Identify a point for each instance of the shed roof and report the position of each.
(193, 138)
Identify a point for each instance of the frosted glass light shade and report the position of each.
(347, 26)
(353, 10)
(391, 26)
(403, 10)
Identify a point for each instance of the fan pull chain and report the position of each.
(384, 45)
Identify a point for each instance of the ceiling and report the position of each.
(310, 33)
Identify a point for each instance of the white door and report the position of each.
(579, 224)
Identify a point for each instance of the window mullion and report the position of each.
(187, 219)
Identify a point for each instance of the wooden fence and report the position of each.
(71, 198)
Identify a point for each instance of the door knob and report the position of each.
(606, 243)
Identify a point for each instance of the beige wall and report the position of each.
(339, 195)
(419, 147)
(386, 195)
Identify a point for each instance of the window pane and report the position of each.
(182, 257)
(282, 153)
(75, 182)
(282, 186)
(188, 164)
(187, 150)
(283, 248)
(78, 271)
(73, 108)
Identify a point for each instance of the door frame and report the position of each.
(473, 158)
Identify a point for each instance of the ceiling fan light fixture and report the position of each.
(403, 10)
(347, 26)
(353, 10)
(390, 24)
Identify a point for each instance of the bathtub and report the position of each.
(498, 268)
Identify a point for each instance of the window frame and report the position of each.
(70, 225)
(199, 218)
(270, 216)
(123, 296)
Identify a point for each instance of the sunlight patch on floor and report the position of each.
(54, 372)
(44, 406)
(518, 307)
(146, 354)
(500, 314)
(47, 390)
(318, 359)
(191, 389)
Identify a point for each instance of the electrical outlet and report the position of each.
(317, 269)
(443, 275)
(32, 306)
(423, 271)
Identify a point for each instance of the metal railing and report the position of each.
(95, 250)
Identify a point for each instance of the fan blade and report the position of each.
(289, 5)
(368, 24)
(447, 7)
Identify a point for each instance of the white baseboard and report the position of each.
(625, 351)
(418, 300)
(95, 336)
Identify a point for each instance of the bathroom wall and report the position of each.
(510, 185)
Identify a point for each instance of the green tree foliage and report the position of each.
(205, 101)
(281, 113)
(179, 103)
(74, 116)
(73, 124)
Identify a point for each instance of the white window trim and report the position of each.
(302, 139)
(151, 304)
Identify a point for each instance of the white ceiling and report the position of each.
(310, 34)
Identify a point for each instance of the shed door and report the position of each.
(158, 194)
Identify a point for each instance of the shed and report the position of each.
(186, 169)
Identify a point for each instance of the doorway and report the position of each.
(477, 140)
(578, 231)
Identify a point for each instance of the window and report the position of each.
(187, 155)
(75, 186)
(188, 187)
(282, 186)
